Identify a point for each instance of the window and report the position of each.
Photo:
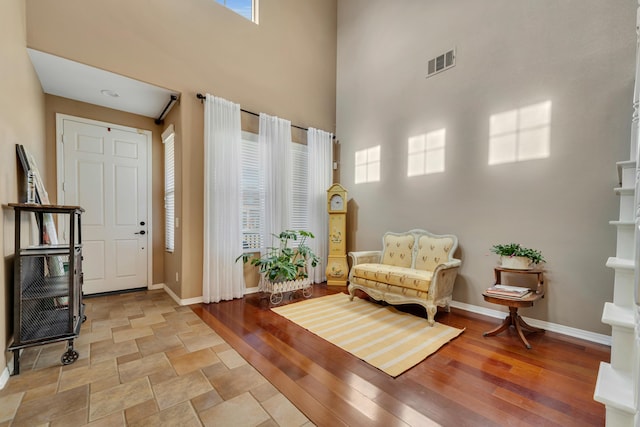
(368, 165)
(246, 8)
(253, 192)
(426, 153)
(299, 177)
(168, 138)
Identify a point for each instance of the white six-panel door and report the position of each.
(103, 168)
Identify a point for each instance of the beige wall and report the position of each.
(510, 54)
(56, 104)
(21, 122)
(285, 66)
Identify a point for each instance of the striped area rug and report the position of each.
(382, 336)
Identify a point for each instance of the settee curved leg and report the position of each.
(431, 314)
(352, 292)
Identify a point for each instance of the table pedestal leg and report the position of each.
(514, 319)
(505, 325)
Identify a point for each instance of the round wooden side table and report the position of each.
(514, 319)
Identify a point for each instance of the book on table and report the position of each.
(508, 291)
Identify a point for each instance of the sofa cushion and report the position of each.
(390, 289)
(432, 251)
(398, 250)
(393, 275)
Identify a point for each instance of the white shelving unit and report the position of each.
(618, 382)
(615, 386)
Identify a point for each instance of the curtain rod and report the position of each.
(201, 97)
(160, 119)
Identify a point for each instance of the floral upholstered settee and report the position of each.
(413, 267)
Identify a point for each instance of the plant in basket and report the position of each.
(284, 267)
(515, 256)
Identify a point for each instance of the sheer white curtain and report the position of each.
(222, 277)
(274, 138)
(320, 154)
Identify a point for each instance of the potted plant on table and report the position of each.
(284, 267)
(514, 256)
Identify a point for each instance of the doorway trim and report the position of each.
(60, 174)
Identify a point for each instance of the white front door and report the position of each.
(103, 168)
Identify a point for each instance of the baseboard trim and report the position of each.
(4, 377)
(178, 300)
(156, 286)
(548, 326)
(6, 373)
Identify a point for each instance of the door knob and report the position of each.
(141, 232)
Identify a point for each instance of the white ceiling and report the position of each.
(73, 80)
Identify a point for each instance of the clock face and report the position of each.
(337, 203)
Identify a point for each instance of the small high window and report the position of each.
(246, 8)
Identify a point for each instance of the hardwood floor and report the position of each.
(471, 381)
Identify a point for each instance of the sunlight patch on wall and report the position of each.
(368, 165)
(521, 134)
(426, 153)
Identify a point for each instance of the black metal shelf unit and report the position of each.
(48, 280)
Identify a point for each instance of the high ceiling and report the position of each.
(80, 82)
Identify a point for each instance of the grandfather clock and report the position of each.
(337, 267)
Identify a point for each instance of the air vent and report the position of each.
(441, 62)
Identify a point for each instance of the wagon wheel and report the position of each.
(276, 298)
(69, 356)
(307, 292)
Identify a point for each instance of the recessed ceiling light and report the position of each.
(111, 93)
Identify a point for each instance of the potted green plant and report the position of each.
(514, 256)
(284, 267)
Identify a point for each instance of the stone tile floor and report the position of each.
(144, 361)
